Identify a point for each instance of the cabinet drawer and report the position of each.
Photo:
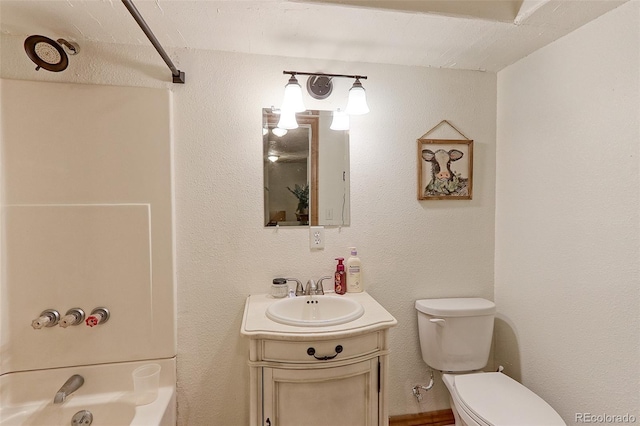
(322, 351)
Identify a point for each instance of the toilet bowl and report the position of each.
(455, 338)
(495, 399)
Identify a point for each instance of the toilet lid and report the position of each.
(500, 400)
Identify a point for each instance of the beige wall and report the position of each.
(409, 249)
(567, 218)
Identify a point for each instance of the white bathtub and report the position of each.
(26, 398)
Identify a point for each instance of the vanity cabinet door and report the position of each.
(336, 396)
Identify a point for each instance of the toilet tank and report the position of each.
(455, 334)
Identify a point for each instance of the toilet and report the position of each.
(455, 338)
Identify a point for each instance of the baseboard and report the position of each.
(432, 418)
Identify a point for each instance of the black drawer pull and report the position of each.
(312, 352)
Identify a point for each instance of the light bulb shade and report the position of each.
(357, 103)
(340, 120)
(288, 120)
(273, 158)
(279, 132)
(292, 100)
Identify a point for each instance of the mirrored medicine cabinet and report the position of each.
(306, 171)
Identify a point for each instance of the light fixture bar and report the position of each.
(361, 77)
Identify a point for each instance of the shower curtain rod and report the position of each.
(178, 76)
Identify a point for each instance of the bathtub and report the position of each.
(26, 398)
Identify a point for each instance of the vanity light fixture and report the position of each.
(292, 100)
(273, 158)
(287, 120)
(279, 132)
(319, 86)
(357, 104)
(340, 120)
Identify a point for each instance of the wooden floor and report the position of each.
(432, 418)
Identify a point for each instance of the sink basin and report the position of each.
(315, 311)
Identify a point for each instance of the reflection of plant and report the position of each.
(302, 194)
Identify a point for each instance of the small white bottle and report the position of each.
(354, 273)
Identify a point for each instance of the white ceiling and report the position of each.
(477, 35)
(493, 10)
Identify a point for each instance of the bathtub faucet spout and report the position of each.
(71, 385)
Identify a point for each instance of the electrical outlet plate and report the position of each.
(316, 237)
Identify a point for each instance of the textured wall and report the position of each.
(567, 218)
(409, 249)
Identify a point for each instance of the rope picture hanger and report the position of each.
(445, 166)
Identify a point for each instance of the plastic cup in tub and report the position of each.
(146, 380)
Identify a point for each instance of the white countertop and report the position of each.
(256, 324)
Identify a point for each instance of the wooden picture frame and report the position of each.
(445, 169)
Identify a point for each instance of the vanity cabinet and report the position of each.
(318, 376)
(319, 383)
(344, 395)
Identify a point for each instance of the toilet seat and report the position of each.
(496, 399)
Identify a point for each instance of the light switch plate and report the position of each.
(316, 237)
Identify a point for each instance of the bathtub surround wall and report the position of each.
(568, 218)
(87, 223)
(409, 249)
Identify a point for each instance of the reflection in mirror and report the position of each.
(306, 171)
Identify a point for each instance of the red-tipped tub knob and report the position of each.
(93, 320)
(98, 316)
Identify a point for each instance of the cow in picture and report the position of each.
(444, 181)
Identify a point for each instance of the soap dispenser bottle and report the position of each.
(354, 272)
(340, 277)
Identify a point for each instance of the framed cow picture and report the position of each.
(445, 169)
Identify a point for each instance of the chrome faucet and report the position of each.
(70, 386)
(320, 286)
(311, 288)
(299, 289)
(314, 288)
